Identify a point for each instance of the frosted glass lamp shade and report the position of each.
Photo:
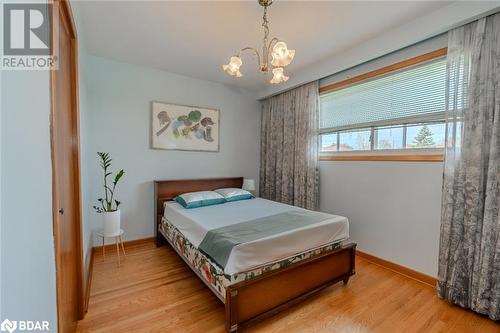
(233, 68)
(282, 56)
(248, 185)
(278, 76)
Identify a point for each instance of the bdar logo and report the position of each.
(24, 325)
(8, 325)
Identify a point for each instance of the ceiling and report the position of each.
(196, 38)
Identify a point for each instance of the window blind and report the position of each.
(404, 96)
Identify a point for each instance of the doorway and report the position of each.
(66, 169)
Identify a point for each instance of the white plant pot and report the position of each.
(111, 223)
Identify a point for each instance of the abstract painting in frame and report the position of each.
(183, 127)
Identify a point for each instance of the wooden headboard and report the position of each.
(166, 190)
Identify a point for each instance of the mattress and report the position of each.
(195, 223)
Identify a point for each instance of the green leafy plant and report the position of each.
(106, 203)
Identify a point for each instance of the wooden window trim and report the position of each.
(405, 157)
(384, 70)
(386, 158)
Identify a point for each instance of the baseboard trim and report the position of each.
(91, 265)
(133, 242)
(408, 272)
(89, 281)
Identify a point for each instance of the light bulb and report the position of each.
(282, 56)
(278, 76)
(233, 68)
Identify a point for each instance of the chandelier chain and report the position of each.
(265, 24)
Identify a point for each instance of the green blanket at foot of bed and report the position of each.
(218, 243)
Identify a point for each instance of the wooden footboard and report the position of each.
(252, 300)
(255, 299)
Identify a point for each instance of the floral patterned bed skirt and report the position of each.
(213, 274)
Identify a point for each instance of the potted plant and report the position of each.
(108, 206)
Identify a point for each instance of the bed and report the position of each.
(258, 278)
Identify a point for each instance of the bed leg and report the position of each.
(160, 240)
(346, 279)
(231, 313)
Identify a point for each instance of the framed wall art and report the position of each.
(183, 127)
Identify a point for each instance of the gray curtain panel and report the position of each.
(469, 257)
(289, 147)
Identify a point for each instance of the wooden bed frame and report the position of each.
(255, 299)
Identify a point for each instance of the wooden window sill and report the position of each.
(393, 158)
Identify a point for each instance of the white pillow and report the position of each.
(234, 194)
(199, 199)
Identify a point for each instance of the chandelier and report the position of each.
(281, 56)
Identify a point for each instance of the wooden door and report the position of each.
(66, 171)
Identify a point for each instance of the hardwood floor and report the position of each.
(154, 291)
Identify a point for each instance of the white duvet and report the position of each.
(196, 222)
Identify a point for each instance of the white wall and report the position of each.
(1, 176)
(118, 121)
(393, 207)
(84, 158)
(28, 269)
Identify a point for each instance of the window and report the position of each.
(427, 135)
(399, 112)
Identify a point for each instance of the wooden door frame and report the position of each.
(63, 7)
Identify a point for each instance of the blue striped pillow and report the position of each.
(234, 194)
(199, 199)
